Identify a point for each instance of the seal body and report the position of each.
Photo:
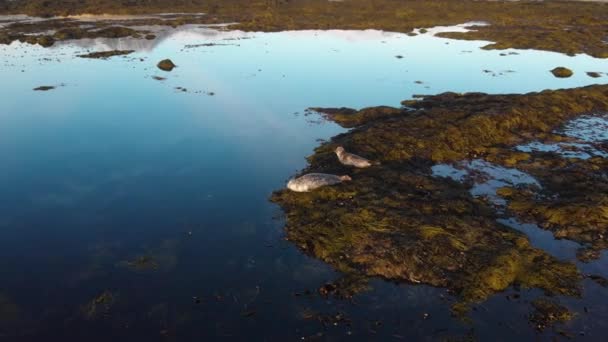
(351, 159)
(313, 181)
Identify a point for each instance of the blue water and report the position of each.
(113, 164)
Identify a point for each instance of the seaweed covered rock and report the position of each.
(348, 117)
(106, 54)
(42, 40)
(594, 74)
(573, 202)
(396, 221)
(99, 306)
(561, 72)
(44, 88)
(546, 313)
(397, 224)
(166, 65)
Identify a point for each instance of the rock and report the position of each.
(594, 74)
(562, 72)
(106, 54)
(548, 313)
(166, 65)
(44, 88)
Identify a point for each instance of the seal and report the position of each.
(351, 159)
(314, 181)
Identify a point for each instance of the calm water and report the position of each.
(113, 165)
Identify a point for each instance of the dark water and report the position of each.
(113, 166)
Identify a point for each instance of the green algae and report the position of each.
(396, 221)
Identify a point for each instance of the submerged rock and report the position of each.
(548, 313)
(142, 263)
(99, 306)
(166, 65)
(562, 72)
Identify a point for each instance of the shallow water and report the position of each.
(113, 165)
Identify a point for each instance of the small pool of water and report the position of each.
(156, 190)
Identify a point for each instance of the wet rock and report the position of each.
(166, 65)
(573, 202)
(44, 88)
(588, 254)
(115, 32)
(44, 40)
(562, 72)
(598, 279)
(106, 54)
(594, 74)
(150, 37)
(348, 117)
(345, 287)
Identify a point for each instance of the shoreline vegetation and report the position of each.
(560, 26)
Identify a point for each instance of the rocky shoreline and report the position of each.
(561, 26)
